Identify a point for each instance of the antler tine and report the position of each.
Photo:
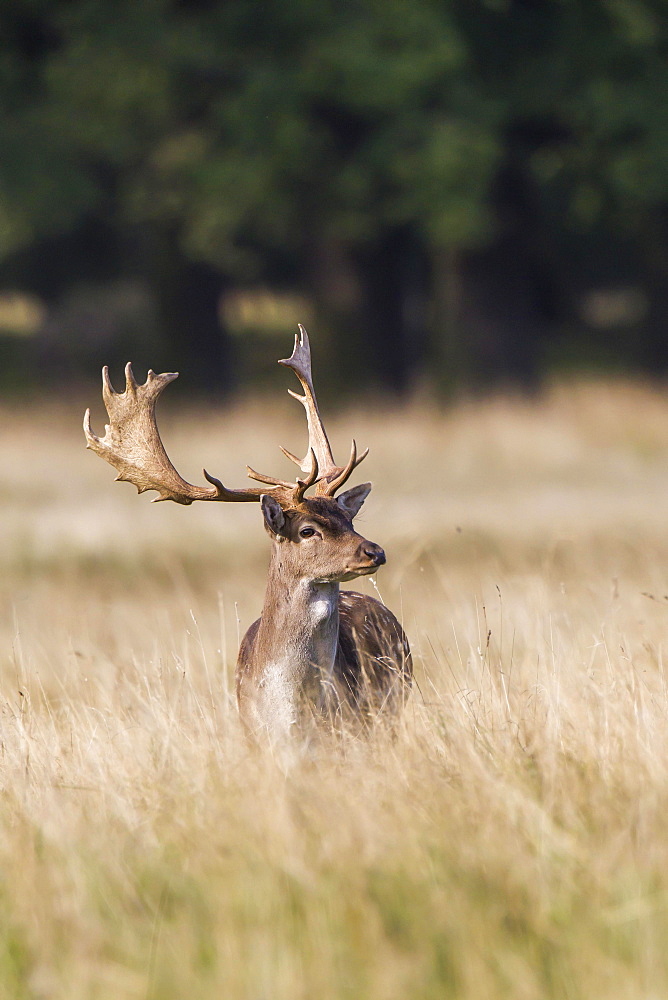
(304, 484)
(329, 488)
(288, 454)
(270, 480)
(292, 492)
(300, 362)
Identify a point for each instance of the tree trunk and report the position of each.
(192, 335)
(449, 356)
(333, 282)
(392, 274)
(373, 301)
(191, 328)
(654, 342)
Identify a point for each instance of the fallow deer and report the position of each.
(315, 651)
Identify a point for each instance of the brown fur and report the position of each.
(317, 650)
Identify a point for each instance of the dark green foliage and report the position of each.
(448, 183)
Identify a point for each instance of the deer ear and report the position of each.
(274, 518)
(351, 501)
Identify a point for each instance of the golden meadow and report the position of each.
(510, 840)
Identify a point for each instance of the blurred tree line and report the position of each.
(469, 189)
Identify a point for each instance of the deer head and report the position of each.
(317, 539)
(314, 526)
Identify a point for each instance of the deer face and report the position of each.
(317, 540)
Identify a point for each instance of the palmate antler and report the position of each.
(132, 444)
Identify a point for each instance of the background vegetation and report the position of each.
(461, 191)
(510, 842)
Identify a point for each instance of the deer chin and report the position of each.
(352, 573)
(349, 574)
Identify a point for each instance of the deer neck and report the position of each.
(300, 622)
(297, 639)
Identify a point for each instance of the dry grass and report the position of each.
(512, 841)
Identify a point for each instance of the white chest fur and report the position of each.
(322, 603)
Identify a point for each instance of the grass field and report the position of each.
(510, 841)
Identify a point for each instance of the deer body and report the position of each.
(316, 652)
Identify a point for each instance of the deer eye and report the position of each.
(307, 533)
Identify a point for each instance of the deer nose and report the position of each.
(374, 553)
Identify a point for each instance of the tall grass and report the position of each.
(510, 840)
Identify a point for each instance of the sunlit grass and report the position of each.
(510, 840)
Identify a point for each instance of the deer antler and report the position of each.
(330, 476)
(297, 489)
(132, 444)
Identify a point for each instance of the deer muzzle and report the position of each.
(371, 553)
